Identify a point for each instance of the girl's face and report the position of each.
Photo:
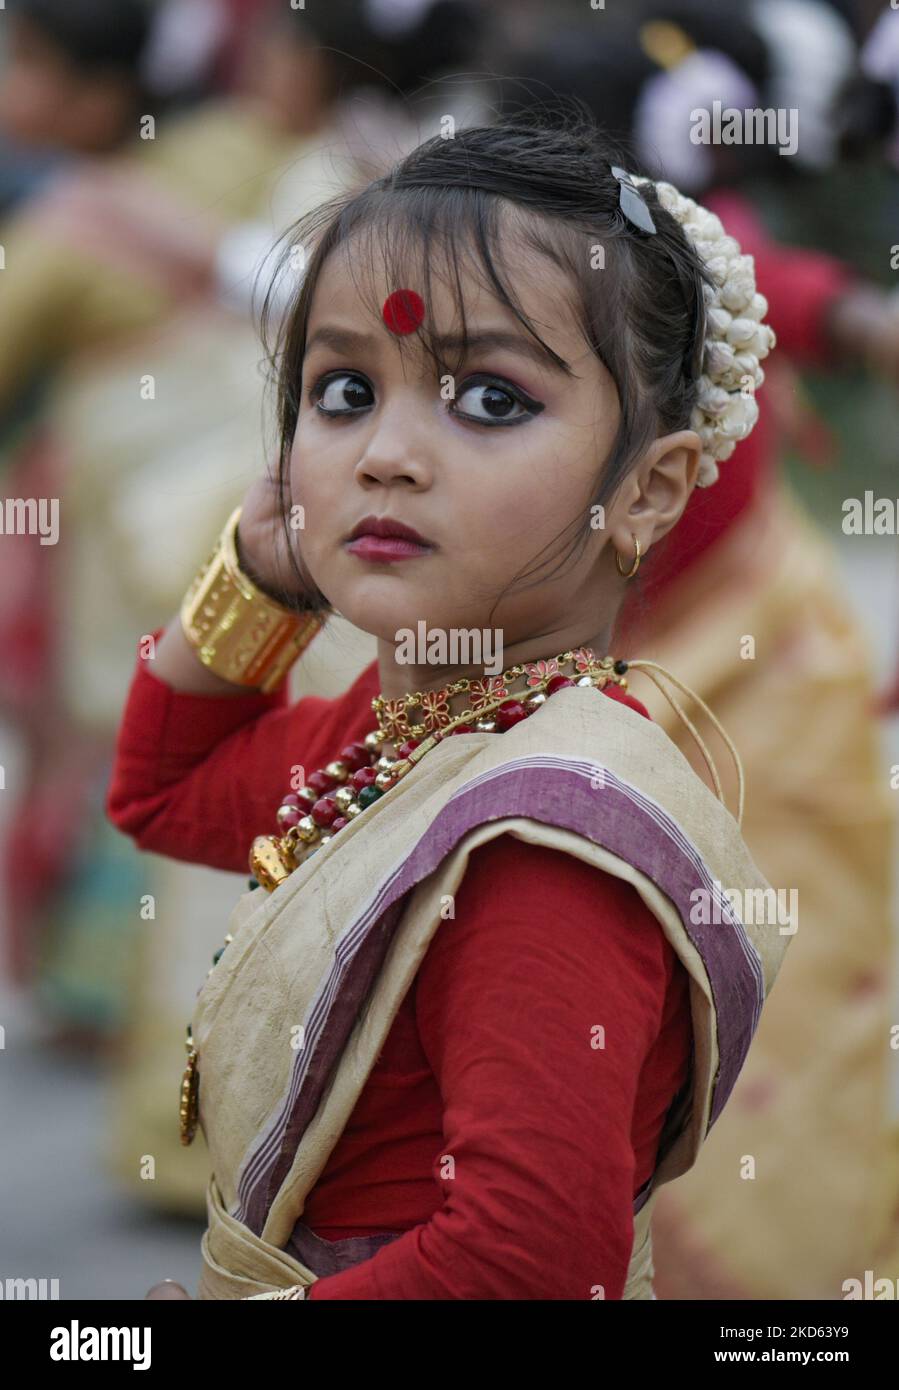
(45, 101)
(487, 467)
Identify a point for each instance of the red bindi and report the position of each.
(403, 311)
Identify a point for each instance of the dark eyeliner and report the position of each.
(317, 390)
(516, 392)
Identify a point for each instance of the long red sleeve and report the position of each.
(546, 1137)
(197, 776)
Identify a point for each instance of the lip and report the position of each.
(385, 540)
(386, 526)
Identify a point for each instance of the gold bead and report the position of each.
(339, 770)
(585, 680)
(307, 830)
(307, 794)
(538, 698)
(372, 742)
(384, 764)
(486, 726)
(385, 780)
(344, 797)
(352, 810)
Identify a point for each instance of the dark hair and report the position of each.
(399, 52)
(94, 35)
(607, 67)
(644, 316)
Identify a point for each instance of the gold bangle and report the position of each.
(238, 632)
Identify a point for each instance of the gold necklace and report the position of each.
(413, 724)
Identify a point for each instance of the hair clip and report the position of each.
(631, 203)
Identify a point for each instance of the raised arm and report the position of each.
(196, 776)
(201, 763)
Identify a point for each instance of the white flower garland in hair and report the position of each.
(736, 338)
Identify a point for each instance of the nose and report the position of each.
(396, 451)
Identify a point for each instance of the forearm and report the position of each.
(509, 1235)
(177, 663)
(188, 780)
(196, 777)
(176, 660)
(492, 1262)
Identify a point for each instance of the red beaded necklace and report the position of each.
(362, 772)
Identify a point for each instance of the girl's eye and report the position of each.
(343, 394)
(492, 401)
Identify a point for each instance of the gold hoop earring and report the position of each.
(636, 565)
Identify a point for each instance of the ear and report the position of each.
(660, 488)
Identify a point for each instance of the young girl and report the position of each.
(497, 970)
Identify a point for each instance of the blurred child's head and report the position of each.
(524, 461)
(303, 60)
(69, 79)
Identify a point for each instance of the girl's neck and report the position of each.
(399, 677)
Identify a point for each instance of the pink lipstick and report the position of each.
(383, 540)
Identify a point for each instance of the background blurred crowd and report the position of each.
(152, 152)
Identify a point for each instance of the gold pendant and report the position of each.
(190, 1095)
(267, 862)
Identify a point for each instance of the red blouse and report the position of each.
(493, 1133)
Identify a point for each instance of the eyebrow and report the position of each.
(348, 341)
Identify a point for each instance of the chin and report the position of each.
(380, 606)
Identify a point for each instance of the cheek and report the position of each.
(322, 515)
(494, 519)
(29, 103)
(316, 476)
(547, 487)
